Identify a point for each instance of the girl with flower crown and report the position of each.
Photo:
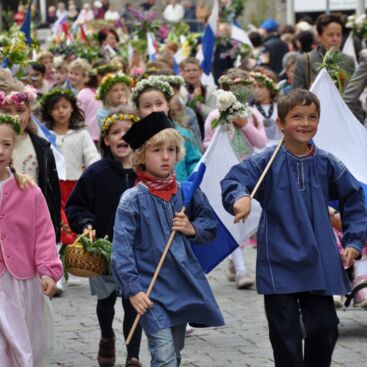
(266, 91)
(62, 115)
(114, 91)
(92, 206)
(29, 265)
(246, 135)
(153, 95)
(32, 154)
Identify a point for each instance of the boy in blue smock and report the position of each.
(298, 267)
(145, 217)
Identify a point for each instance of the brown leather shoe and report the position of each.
(133, 362)
(107, 352)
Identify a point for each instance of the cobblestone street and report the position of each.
(243, 341)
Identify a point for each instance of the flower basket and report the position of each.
(87, 258)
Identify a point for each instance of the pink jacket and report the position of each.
(89, 105)
(255, 135)
(27, 236)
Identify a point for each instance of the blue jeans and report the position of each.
(165, 346)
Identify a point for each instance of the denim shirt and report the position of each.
(142, 227)
(297, 251)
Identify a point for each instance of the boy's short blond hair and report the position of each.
(44, 55)
(158, 139)
(60, 64)
(81, 64)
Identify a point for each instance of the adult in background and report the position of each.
(197, 96)
(329, 29)
(273, 47)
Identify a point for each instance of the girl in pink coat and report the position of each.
(29, 265)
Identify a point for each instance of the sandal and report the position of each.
(106, 353)
(133, 362)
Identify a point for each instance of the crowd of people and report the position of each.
(130, 130)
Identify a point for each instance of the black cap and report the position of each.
(140, 132)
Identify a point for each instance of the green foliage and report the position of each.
(332, 62)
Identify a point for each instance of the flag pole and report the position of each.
(155, 276)
(261, 179)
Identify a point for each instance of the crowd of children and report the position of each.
(129, 136)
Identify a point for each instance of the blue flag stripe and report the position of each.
(211, 254)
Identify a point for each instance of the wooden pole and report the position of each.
(152, 282)
(261, 179)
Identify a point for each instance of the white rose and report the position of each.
(224, 99)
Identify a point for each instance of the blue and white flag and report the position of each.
(219, 158)
(339, 131)
(151, 49)
(26, 26)
(208, 42)
(51, 138)
(238, 34)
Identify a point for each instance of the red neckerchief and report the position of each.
(164, 188)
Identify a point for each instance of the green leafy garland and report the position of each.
(54, 92)
(109, 81)
(11, 120)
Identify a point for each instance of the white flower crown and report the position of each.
(154, 82)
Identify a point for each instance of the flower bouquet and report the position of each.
(230, 108)
(358, 24)
(332, 62)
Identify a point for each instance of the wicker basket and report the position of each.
(82, 263)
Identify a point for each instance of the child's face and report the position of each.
(61, 75)
(76, 78)
(6, 148)
(117, 95)
(36, 79)
(23, 111)
(300, 125)
(114, 139)
(48, 63)
(61, 112)
(192, 74)
(160, 159)
(152, 101)
(262, 94)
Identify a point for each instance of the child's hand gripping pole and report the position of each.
(155, 276)
(243, 207)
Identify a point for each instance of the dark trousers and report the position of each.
(106, 313)
(283, 312)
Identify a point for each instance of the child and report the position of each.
(37, 75)
(32, 154)
(29, 266)
(61, 72)
(298, 265)
(92, 204)
(245, 135)
(145, 217)
(78, 75)
(153, 95)
(62, 115)
(46, 58)
(114, 91)
(266, 91)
